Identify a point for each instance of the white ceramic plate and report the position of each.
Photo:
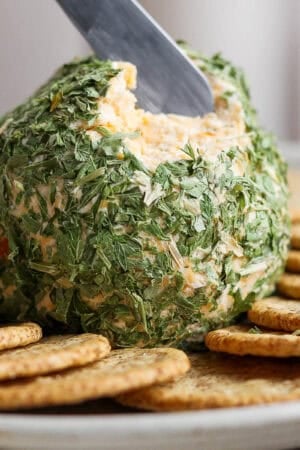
(275, 427)
(104, 427)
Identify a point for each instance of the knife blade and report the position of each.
(122, 30)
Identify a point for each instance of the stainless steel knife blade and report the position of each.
(122, 30)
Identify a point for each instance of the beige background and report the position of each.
(262, 36)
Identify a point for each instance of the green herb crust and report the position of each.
(44, 157)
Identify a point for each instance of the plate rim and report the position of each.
(174, 422)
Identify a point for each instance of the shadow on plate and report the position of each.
(101, 406)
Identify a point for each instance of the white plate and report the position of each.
(274, 427)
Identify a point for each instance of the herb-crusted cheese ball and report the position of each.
(147, 228)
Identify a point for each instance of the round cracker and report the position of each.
(217, 381)
(52, 354)
(289, 285)
(19, 335)
(295, 215)
(276, 313)
(295, 236)
(237, 340)
(120, 371)
(293, 261)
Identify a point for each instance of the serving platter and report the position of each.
(103, 425)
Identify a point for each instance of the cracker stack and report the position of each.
(67, 369)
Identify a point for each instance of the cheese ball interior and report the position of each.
(149, 229)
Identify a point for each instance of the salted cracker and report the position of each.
(19, 335)
(219, 381)
(118, 372)
(293, 261)
(295, 236)
(247, 340)
(276, 313)
(52, 354)
(289, 285)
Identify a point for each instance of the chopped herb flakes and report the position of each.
(98, 242)
(255, 330)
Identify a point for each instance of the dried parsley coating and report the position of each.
(99, 242)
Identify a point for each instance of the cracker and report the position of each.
(276, 313)
(52, 354)
(295, 236)
(293, 261)
(218, 381)
(237, 340)
(19, 335)
(289, 285)
(120, 371)
(295, 215)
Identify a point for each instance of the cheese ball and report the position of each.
(149, 229)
